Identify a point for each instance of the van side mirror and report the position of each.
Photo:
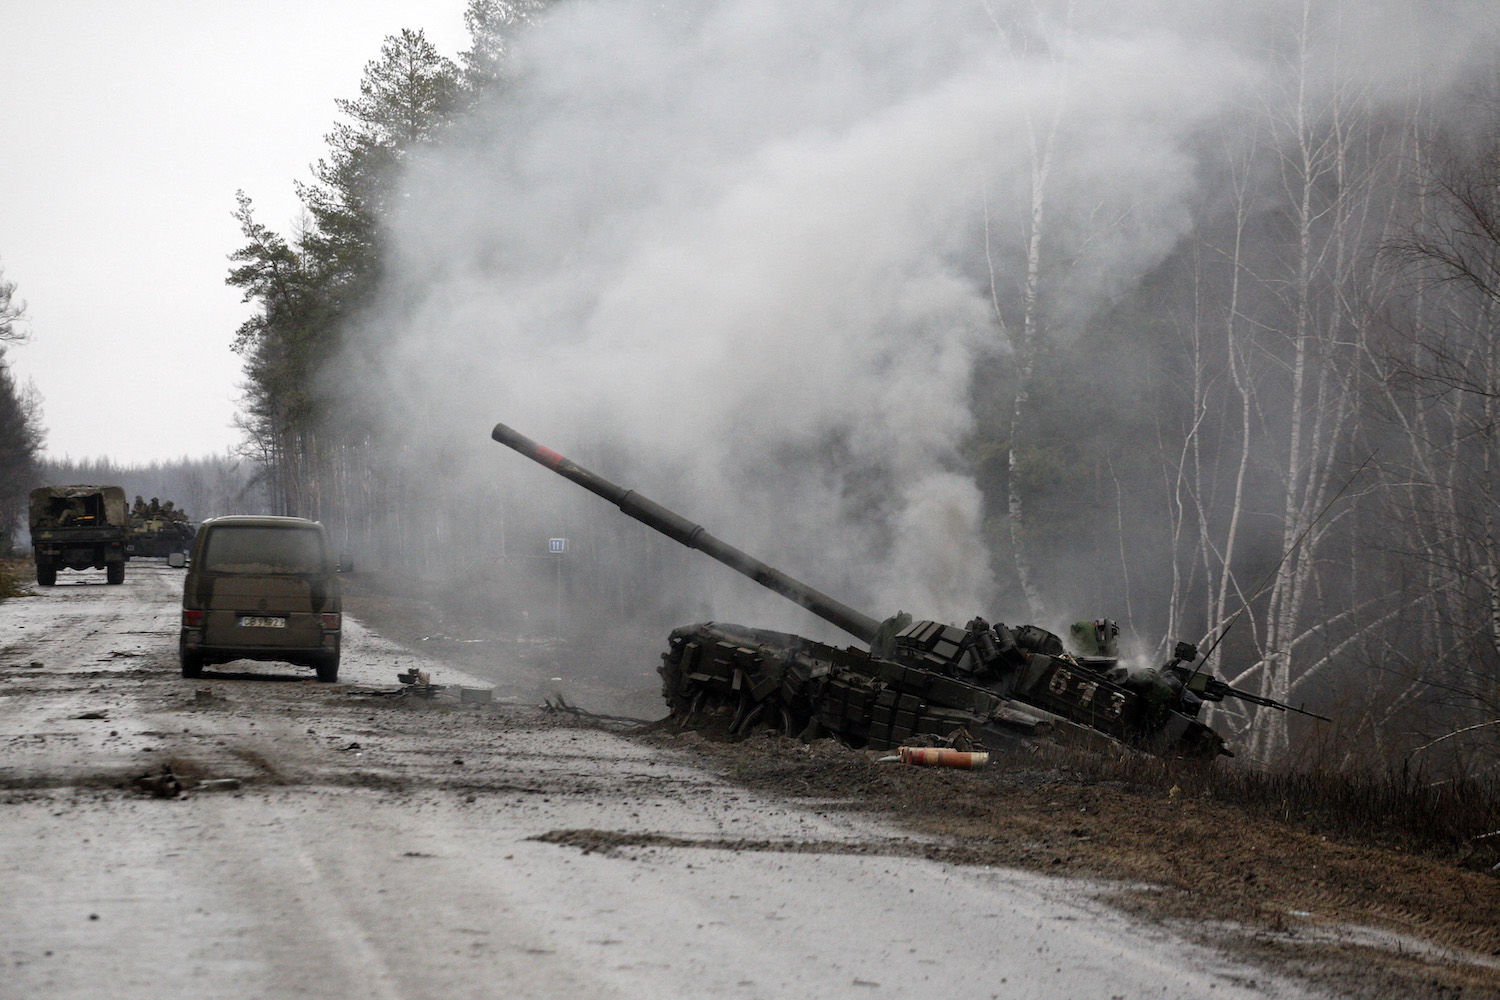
(177, 560)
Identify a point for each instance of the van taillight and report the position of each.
(191, 619)
(331, 622)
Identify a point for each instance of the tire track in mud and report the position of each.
(392, 846)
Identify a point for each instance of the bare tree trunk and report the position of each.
(1329, 202)
(1025, 346)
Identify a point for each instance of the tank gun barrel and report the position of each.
(685, 532)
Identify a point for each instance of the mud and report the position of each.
(256, 833)
(1358, 920)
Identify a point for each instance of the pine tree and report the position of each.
(20, 421)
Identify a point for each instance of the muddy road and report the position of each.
(254, 833)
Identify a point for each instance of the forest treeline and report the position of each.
(203, 487)
(199, 487)
(21, 431)
(1281, 440)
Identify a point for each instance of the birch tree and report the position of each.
(1332, 163)
(1217, 427)
(1025, 332)
(1443, 381)
(1276, 340)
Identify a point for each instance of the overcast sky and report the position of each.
(125, 128)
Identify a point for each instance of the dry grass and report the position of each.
(15, 577)
(1454, 820)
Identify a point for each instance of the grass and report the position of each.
(1402, 807)
(15, 576)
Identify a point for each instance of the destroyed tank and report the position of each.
(919, 681)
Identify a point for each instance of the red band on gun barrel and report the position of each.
(548, 457)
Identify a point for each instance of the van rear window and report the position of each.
(254, 549)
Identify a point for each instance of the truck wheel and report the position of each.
(192, 664)
(115, 572)
(46, 574)
(328, 669)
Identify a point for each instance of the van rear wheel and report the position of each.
(328, 669)
(46, 574)
(192, 665)
(114, 572)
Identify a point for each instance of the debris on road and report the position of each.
(162, 784)
(558, 704)
(285, 874)
(419, 683)
(475, 696)
(937, 757)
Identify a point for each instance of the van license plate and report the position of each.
(261, 621)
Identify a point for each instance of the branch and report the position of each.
(1458, 732)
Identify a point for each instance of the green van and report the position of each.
(261, 588)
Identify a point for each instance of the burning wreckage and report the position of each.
(920, 680)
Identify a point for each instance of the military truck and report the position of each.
(158, 529)
(79, 527)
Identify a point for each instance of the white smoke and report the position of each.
(756, 248)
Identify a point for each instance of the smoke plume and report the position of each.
(747, 258)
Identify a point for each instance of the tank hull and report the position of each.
(756, 678)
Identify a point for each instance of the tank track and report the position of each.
(807, 689)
